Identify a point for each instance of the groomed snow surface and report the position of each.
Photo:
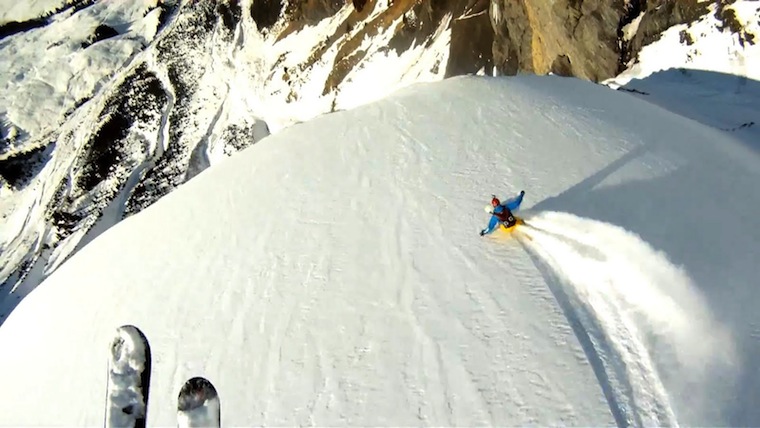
(332, 274)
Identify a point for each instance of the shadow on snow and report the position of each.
(692, 230)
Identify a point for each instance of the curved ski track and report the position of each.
(609, 337)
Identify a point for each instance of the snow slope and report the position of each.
(12, 10)
(333, 275)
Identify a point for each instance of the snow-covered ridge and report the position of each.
(118, 103)
(333, 274)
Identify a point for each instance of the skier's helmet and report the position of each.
(495, 201)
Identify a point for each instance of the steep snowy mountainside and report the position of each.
(50, 71)
(96, 130)
(726, 39)
(332, 274)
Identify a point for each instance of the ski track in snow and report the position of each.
(624, 299)
(615, 366)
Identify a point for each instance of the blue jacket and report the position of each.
(511, 204)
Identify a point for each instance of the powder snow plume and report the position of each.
(636, 314)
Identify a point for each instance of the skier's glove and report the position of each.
(522, 192)
(482, 232)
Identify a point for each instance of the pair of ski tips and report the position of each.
(129, 370)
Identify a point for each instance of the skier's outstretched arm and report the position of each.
(491, 226)
(514, 203)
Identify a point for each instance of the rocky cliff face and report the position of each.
(590, 39)
(403, 24)
(565, 37)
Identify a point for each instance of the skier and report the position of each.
(502, 213)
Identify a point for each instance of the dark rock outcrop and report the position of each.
(102, 32)
(359, 4)
(20, 168)
(230, 12)
(266, 13)
(471, 41)
(298, 14)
